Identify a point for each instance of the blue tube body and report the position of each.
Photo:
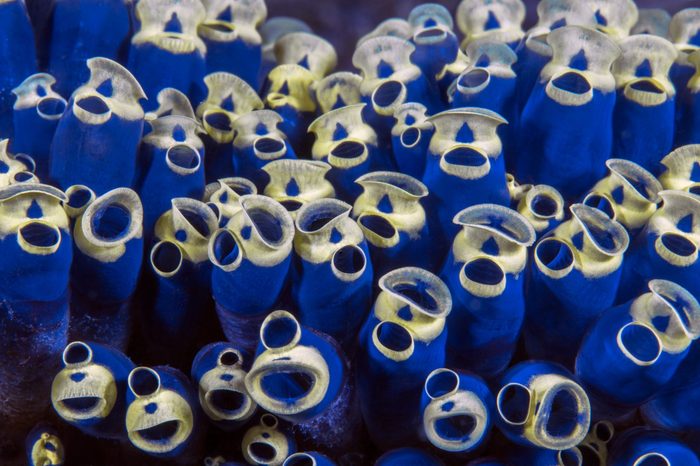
(177, 305)
(97, 138)
(386, 387)
(532, 56)
(81, 30)
(412, 456)
(436, 47)
(166, 51)
(464, 167)
(233, 47)
(348, 144)
(639, 443)
(410, 137)
(664, 248)
(36, 113)
(521, 455)
(643, 120)
(669, 409)
(627, 357)
(249, 162)
(318, 458)
(485, 271)
(171, 162)
(315, 403)
(18, 54)
(555, 150)
(491, 83)
(569, 157)
(566, 291)
(259, 140)
(157, 69)
(379, 113)
(246, 301)
(36, 256)
(176, 302)
(251, 260)
(497, 95)
(402, 341)
(332, 275)
(230, 33)
(643, 134)
(289, 94)
(107, 166)
(107, 255)
(393, 219)
(689, 113)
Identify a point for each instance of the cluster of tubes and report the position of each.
(481, 249)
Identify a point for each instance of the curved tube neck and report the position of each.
(229, 93)
(474, 126)
(316, 53)
(290, 84)
(553, 13)
(415, 299)
(498, 220)
(21, 203)
(558, 398)
(170, 26)
(337, 90)
(36, 89)
(429, 15)
(263, 230)
(496, 57)
(170, 130)
(254, 125)
(338, 126)
(460, 428)
(645, 56)
(276, 27)
(296, 179)
(283, 359)
(684, 27)
(669, 302)
(393, 27)
(615, 18)
(109, 223)
(265, 443)
(586, 51)
(171, 102)
(115, 86)
(652, 21)
(189, 224)
(500, 21)
(384, 57)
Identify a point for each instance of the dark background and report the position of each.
(342, 22)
